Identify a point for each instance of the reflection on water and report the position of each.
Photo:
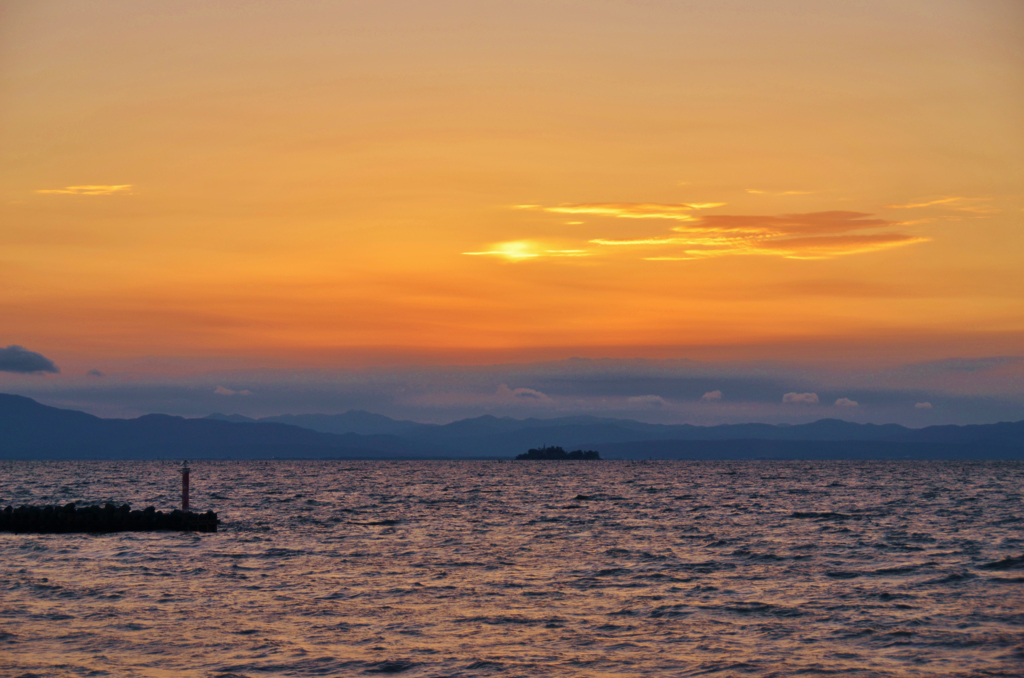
(524, 569)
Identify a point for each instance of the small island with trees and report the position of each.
(557, 454)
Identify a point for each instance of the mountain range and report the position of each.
(31, 430)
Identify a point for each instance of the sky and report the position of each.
(409, 206)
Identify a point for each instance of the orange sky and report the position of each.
(326, 181)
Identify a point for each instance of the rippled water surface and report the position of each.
(524, 569)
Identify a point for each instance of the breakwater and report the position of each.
(100, 519)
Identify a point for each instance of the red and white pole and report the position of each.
(184, 486)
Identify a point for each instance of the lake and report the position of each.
(481, 568)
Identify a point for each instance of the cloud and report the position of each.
(810, 223)
(95, 373)
(648, 401)
(122, 189)
(969, 364)
(801, 398)
(643, 241)
(712, 395)
(977, 209)
(630, 210)
(814, 235)
(957, 203)
(930, 203)
(520, 250)
(220, 390)
(758, 192)
(923, 406)
(846, 402)
(22, 361)
(471, 398)
(834, 246)
(521, 394)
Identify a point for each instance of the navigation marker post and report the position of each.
(184, 486)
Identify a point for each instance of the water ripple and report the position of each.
(524, 569)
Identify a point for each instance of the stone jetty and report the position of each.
(99, 519)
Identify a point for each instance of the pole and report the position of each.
(184, 486)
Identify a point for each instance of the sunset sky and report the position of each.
(285, 199)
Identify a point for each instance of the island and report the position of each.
(557, 454)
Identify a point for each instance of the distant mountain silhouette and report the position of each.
(233, 418)
(31, 430)
(353, 421)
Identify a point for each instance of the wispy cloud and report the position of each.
(811, 235)
(221, 390)
(711, 396)
(630, 210)
(521, 394)
(520, 250)
(647, 401)
(643, 241)
(816, 235)
(923, 406)
(755, 191)
(826, 247)
(801, 398)
(977, 209)
(846, 402)
(956, 203)
(811, 223)
(122, 189)
(952, 365)
(929, 203)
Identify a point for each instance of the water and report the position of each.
(491, 568)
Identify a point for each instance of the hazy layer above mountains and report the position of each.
(35, 431)
(353, 421)
(963, 391)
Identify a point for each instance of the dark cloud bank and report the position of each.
(22, 361)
